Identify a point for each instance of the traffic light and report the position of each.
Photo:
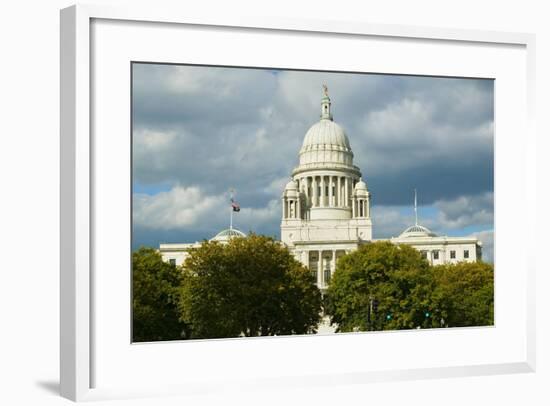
(427, 314)
(388, 316)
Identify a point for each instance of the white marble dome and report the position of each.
(326, 142)
(326, 132)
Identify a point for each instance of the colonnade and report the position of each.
(292, 208)
(327, 190)
(323, 268)
(360, 207)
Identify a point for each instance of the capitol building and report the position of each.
(326, 210)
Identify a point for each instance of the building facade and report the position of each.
(326, 204)
(176, 253)
(440, 249)
(326, 210)
(326, 207)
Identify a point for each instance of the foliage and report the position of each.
(466, 292)
(382, 286)
(155, 291)
(396, 277)
(248, 287)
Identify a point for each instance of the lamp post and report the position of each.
(371, 298)
(373, 308)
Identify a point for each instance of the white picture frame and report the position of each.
(78, 353)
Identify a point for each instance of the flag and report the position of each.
(235, 205)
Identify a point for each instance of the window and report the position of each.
(313, 274)
(173, 261)
(453, 254)
(436, 254)
(466, 254)
(327, 275)
(424, 254)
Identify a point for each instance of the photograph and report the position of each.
(276, 202)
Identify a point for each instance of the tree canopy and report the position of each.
(466, 292)
(155, 291)
(382, 286)
(250, 286)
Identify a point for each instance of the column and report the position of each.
(320, 269)
(284, 207)
(322, 195)
(306, 183)
(334, 190)
(298, 208)
(333, 264)
(339, 193)
(314, 202)
(353, 209)
(346, 192)
(330, 195)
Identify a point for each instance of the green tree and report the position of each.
(155, 291)
(250, 286)
(381, 286)
(466, 291)
(407, 291)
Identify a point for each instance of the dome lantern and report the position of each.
(325, 105)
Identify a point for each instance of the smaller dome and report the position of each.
(227, 234)
(360, 188)
(292, 185)
(291, 189)
(360, 185)
(417, 231)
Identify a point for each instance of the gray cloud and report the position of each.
(466, 211)
(209, 129)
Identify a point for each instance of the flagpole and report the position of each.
(231, 210)
(415, 210)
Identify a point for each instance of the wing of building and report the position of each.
(440, 249)
(176, 253)
(326, 209)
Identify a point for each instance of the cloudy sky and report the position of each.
(200, 131)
